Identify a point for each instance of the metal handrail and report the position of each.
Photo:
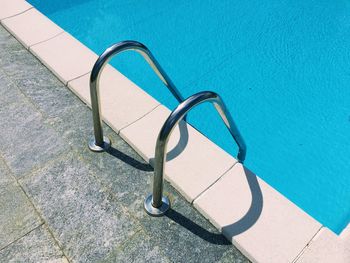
(156, 204)
(99, 142)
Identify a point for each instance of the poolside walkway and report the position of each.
(59, 202)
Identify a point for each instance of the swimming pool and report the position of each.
(283, 68)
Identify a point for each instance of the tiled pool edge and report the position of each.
(152, 112)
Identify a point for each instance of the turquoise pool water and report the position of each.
(282, 67)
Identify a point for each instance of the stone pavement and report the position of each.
(59, 202)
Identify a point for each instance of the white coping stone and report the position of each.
(65, 56)
(12, 7)
(328, 247)
(121, 101)
(261, 222)
(197, 163)
(31, 27)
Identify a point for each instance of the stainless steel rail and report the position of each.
(156, 204)
(99, 142)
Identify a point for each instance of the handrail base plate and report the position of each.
(156, 211)
(96, 148)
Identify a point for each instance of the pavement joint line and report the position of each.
(69, 81)
(75, 78)
(15, 15)
(144, 115)
(42, 41)
(307, 245)
(218, 179)
(14, 241)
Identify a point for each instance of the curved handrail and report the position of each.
(99, 143)
(156, 204)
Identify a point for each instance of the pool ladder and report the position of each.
(99, 142)
(156, 204)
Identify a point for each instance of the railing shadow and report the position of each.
(173, 153)
(129, 160)
(254, 211)
(196, 229)
(181, 144)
